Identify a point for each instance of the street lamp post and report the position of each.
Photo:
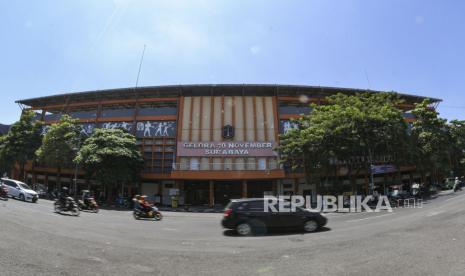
(372, 180)
(76, 167)
(75, 179)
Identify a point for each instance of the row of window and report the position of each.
(122, 111)
(148, 109)
(204, 164)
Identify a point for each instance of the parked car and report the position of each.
(247, 217)
(20, 190)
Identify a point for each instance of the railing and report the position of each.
(408, 203)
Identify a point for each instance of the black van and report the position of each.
(248, 216)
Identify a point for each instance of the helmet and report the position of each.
(64, 189)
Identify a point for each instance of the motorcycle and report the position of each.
(88, 204)
(152, 214)
(70, 207)
(3, 192)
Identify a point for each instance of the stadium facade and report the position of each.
(206, 143)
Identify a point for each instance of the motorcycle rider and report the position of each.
(86, 198)
(457, 185)
(63, 195)
(135, 201)
(145, 206)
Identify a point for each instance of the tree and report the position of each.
(60, 145)
(21, 142)
(351, 131)
(6, 164)
(456, 131)
(430, 142)
(112, 157)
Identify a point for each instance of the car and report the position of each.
(247, 217)
(20, 190)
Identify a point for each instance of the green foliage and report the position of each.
(456, 131)
(111, 156)
(350, 130)
(60, 143)
(431, 141)
(21, 142)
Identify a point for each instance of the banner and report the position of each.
(226, 149)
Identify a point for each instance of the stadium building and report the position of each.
(205, 143)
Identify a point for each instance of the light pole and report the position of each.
(75, 149)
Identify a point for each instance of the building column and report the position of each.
(274, 187)
(296, 186)
(34, 179)
(178, 184)
(366, 184)
(211, 194)
(244, 188)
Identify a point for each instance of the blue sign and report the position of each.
(378, 169)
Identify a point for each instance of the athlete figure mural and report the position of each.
(155, 129)
(143, 129)
(147, 126)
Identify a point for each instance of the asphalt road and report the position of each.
(36, 241)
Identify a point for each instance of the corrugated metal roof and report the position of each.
(203, 89)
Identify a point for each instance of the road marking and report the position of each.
(170, 229)
(370, 217)
(434, 213)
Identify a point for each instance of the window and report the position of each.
(49, 116)
(262, 163)
(83, 114)
(159, 154)
(117, 111)
(10, 183)
(157, 109)
(194, 164)
(256, 206)
(294, 108)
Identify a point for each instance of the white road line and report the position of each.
(370, 217)
(434, 213)
(170, 229)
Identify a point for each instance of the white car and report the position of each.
(20, 190)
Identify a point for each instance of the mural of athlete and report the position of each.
(168, 126)
(147, 126)
(159, 131)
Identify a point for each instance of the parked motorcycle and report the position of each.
(88, 204)
(3, 192)
(69, 207)
(152, 214)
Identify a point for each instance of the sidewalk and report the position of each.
(192, 209)
(220, 209)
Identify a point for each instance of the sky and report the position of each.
(50, 47)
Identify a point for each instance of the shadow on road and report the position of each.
(25, 201)
(65, 214)
(233, 233)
